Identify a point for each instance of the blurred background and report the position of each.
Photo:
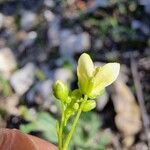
(40, 42)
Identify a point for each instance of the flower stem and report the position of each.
(61, 128)
(66, 144)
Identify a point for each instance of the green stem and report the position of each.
(61, 128)
(74, 125)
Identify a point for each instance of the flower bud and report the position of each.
(89, 105)
(76, 106)
(60, 90)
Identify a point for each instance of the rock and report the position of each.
(71, 43)
(96, 4)
(48, 15)
(1, 19)
(41, 89)
(141, 146)
(28, 40)
(9, 104)
(54, 31)
(22, 79)
(7, 62)
(46, 89)
(138, 25)
(2, 42)
(32, 4)
(102, 3)
(42, 95)
(63, 74)
(7, 22)
(144, 63)
(143, 2)
(147, 9)
(28, 20)
(98, 44)
(49, 3)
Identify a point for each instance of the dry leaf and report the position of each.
(128, 118)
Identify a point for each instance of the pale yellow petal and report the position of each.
(85, 71)
(106, 75)
(85, 65)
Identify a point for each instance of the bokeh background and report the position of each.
(40, 42)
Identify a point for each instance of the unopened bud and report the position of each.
(89, 105)
(60, 90)
(76, 106)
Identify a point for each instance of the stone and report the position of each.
(143, 2)
(137, 24)
(28, 40)
(22, 79)
(48, 15)
(141, 146)
(49, 3)
(63, 74)
(42, 89)
(102, 3)
(7, 62)
(96, 4)
(28, 20)
(7, 22)
(147, 9)
(98, 44)
(1, 19)
(10, 104)
(31, 36)
(71, 43)
(54, 31)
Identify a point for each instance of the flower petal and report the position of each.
(106, 75)
(85, 71)
(85, 65)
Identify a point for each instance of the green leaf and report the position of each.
(40, 75)
(45, 123)
(85, 134)
(4, 84)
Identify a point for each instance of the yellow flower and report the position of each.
(93, 79)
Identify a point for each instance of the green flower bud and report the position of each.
(60, 91)
(75, 94)
(69, 112)
(89, 105)
(68, 100)
(76, 106)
